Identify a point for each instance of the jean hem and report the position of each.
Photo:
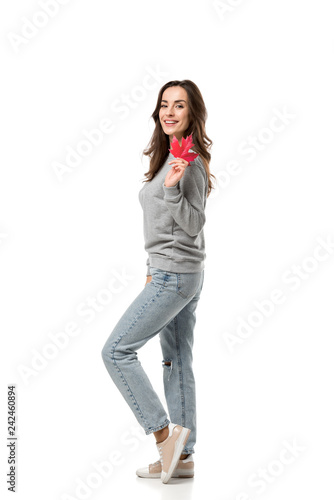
(155, 429)
(187, 451)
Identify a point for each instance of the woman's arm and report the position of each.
(186, 199)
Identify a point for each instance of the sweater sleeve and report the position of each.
(147, 266)
(186, 200)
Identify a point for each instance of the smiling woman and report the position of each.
(173, 200)
(180, 111)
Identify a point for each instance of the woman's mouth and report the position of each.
(170, 123)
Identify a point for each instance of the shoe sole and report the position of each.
(178, 473)
(152, 475)
(182, 475)
(179, 445)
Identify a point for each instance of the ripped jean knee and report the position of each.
(167, 364)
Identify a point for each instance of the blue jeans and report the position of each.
(166, 306)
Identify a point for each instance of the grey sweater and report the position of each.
(174, 218)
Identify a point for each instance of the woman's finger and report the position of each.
(184, 163)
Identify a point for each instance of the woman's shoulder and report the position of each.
(199, 163)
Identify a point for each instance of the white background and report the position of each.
(63, 239)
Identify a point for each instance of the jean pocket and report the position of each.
(188, 284)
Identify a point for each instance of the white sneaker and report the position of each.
(184, 469)
(171, 449)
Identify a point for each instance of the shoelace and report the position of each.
(160, 453)
(156, 463)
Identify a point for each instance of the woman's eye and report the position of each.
(164, 105)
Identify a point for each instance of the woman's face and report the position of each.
(174, 108)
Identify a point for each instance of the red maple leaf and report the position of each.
(183, 150)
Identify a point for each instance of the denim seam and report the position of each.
(179, 362)
(113, 348)
(179, 286)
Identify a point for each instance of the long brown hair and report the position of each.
(157, 149)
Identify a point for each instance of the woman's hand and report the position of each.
(176, 172)
(149, 278)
